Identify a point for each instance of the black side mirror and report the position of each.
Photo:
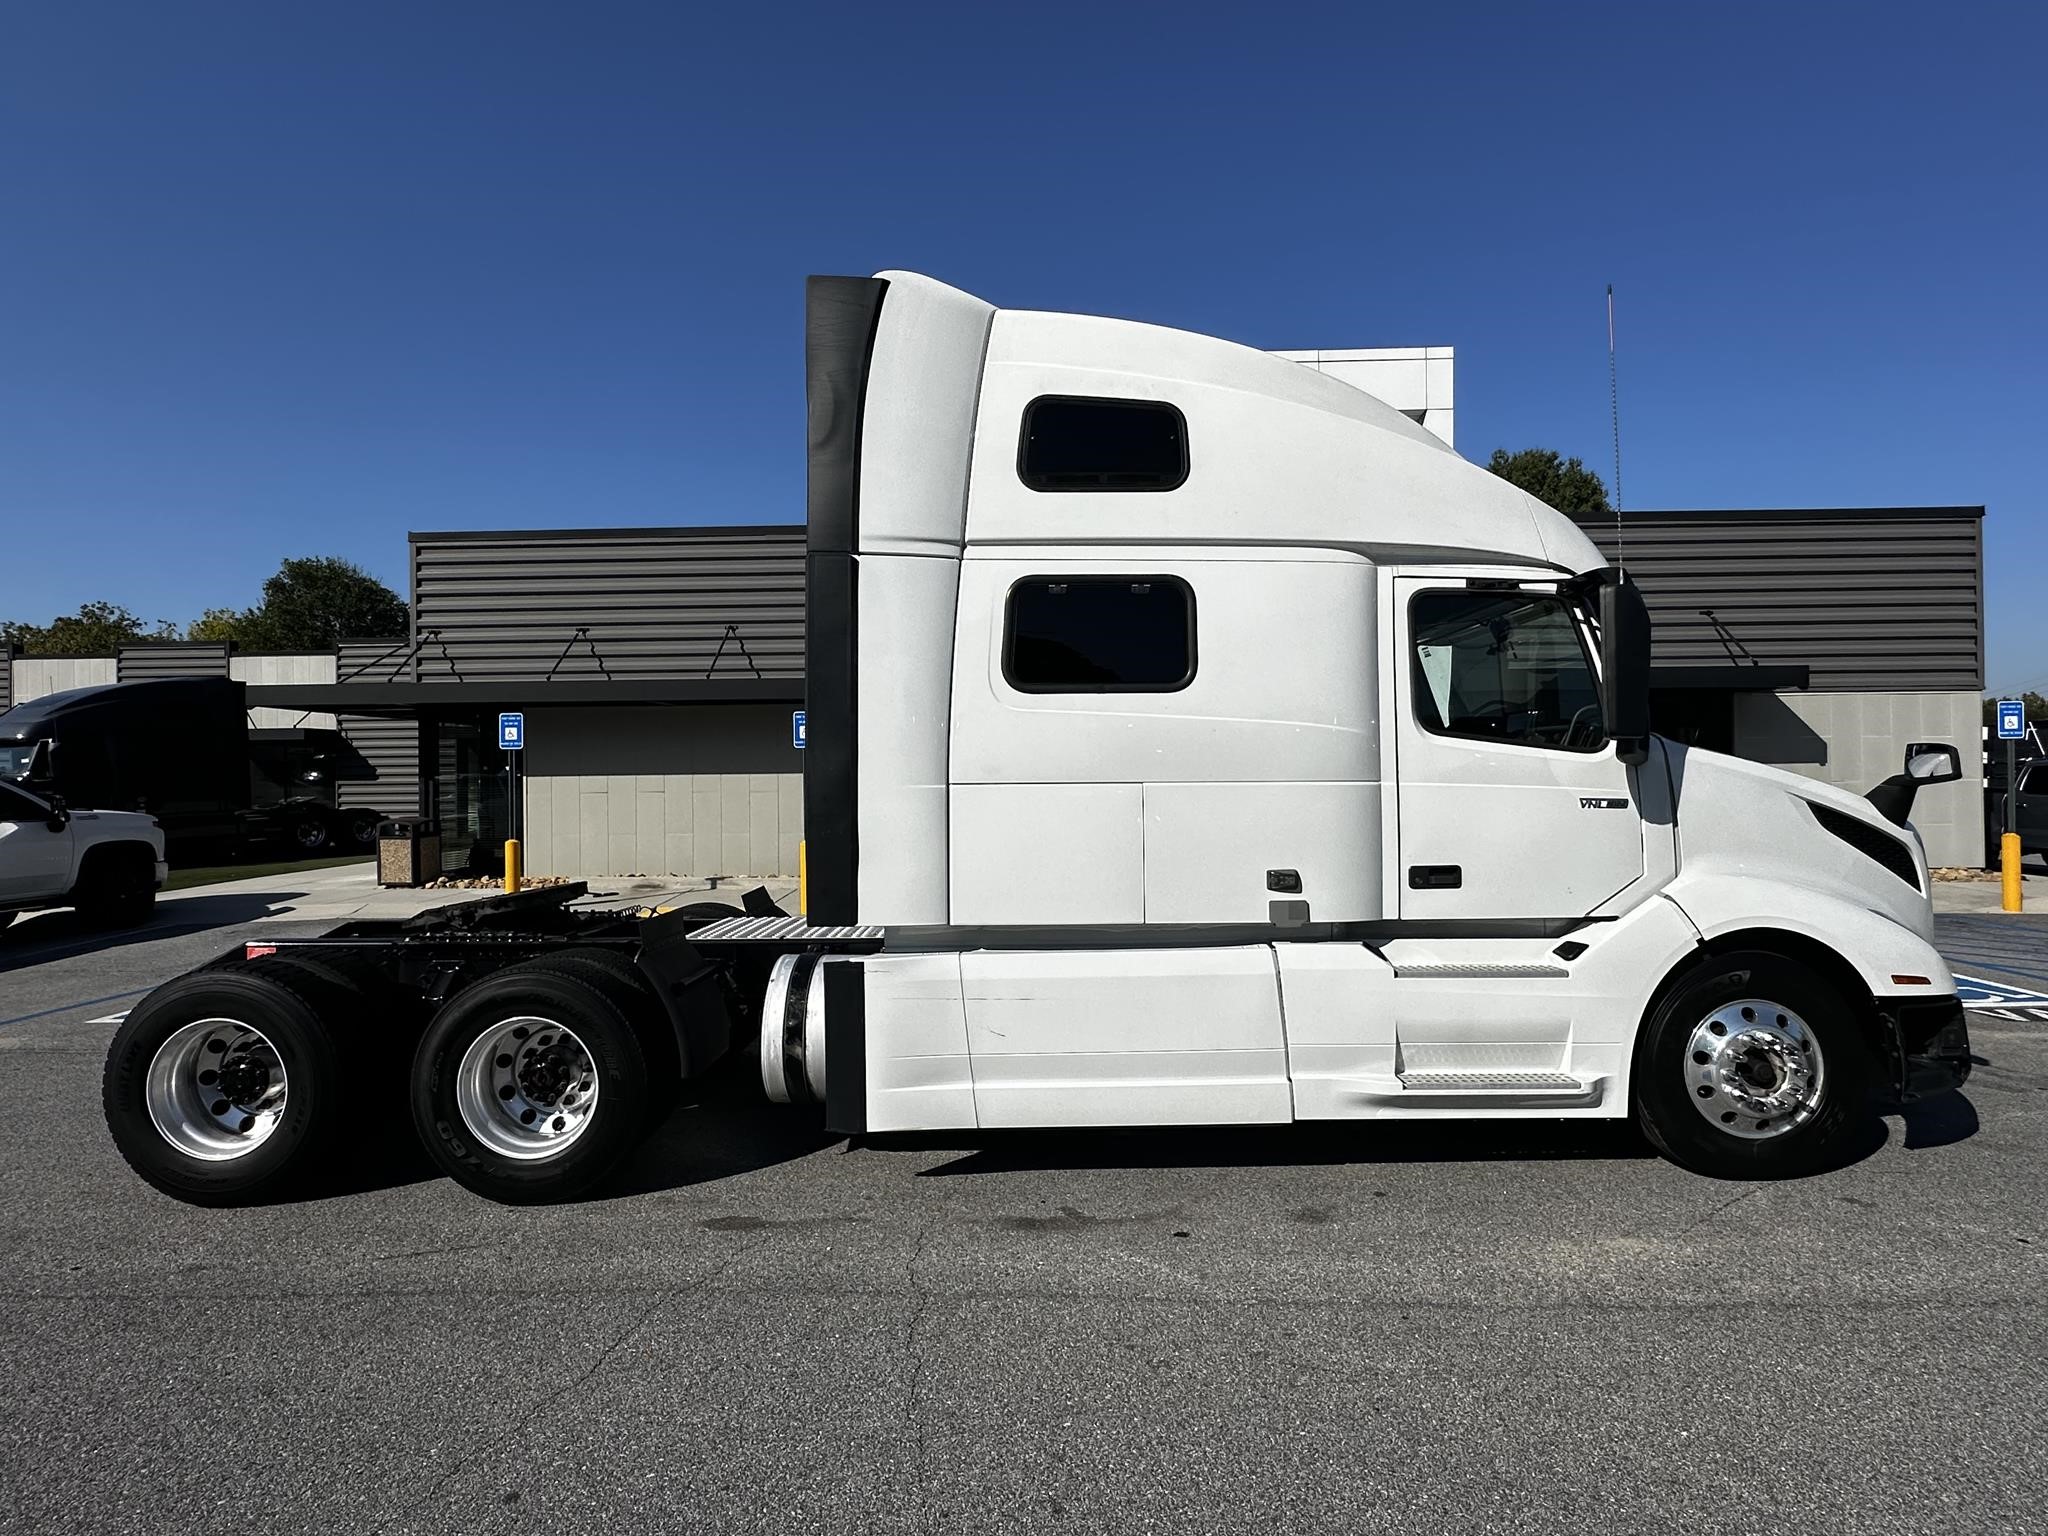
(1927, 762)
(60, 816)
(1625, 666)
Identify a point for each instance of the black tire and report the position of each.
(117, 887)
(310, 834)
(1666, 1081)
(626, 986)
(570, 998)
(359, 829)
(287, 1006)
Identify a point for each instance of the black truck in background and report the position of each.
(182, 749)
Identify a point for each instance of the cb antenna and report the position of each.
(1614, 406)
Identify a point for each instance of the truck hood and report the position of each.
(90, 826)
(1739, 817)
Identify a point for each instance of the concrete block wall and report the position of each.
(311, 667)
(35, 676)
(711, 790)
(1854, 740)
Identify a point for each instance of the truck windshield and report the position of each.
(14, 758)
(1504, 666)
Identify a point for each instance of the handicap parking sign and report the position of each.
(512, 732)
(796, 730)
(2012, 720)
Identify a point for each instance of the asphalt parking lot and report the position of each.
(1343, 1328)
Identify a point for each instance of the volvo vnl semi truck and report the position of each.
(1192, 740)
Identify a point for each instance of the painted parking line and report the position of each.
(112, 1018)
(2001, 999)
(89, 1002)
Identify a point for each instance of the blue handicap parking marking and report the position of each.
(1997, 994)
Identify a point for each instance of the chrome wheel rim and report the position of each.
(216, 1089)
(527, 1088)
(1754, 1070)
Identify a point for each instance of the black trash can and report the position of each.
(408, 852)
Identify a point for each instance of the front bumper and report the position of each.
(1927, 1043)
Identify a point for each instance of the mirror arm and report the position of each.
(1894, 798)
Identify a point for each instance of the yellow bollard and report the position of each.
(2009, 870)
(803, 879)
(511, 864)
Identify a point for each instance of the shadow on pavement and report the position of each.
(46, 936)
(1941, 1121)
(726, 1130)
(1356, 1142)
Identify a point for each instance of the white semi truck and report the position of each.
(1192, 740)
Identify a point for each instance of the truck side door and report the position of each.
(1512, 803)
(35, 862)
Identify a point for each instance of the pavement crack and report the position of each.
(1726, 1205)
(914, 1347)
(549, 1400)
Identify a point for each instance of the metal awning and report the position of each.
(405, 699)
(1730, 679)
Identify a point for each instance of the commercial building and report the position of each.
(658, 668)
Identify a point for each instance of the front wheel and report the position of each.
(119, 890)
(1752, 1067)
(532, 1086)
(309, 834)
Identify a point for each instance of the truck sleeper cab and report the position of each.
(1215, 746)
(1191, 740)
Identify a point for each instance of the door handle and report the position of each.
(1435, 877)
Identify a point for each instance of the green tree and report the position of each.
(1565, 484)
(97, 629)
(307, 606)
(2037, 707)
(220, 624)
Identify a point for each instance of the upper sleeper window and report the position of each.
(1099, 634)
(1073, 443)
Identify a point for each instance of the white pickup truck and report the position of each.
(107, 864)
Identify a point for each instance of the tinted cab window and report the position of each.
(1504, 666)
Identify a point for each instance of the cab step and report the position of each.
(1478, 1090)
(1461, 1082)
(1481, 972)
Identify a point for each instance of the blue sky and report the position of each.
(286, 279)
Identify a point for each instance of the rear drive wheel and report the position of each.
(359, 828)
(221, 1087)
(1752, 1067)
(532, 1085)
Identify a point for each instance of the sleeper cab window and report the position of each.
(1076, 443)
(1504, 666)
(1099, 634)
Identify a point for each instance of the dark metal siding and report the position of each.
(6, 676)
(655, 601)
(1871, 601)
(391, 746)
(143, 663)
